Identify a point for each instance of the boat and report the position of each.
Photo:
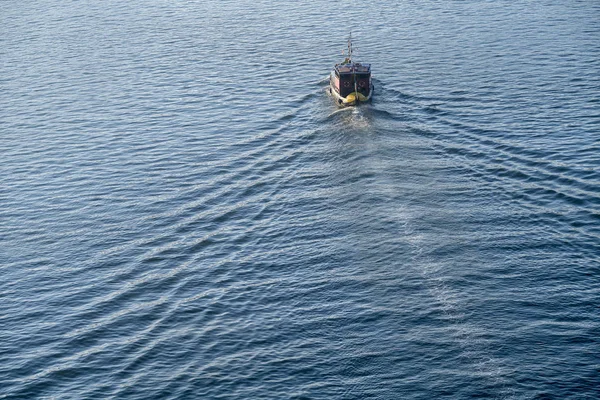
(350, 82)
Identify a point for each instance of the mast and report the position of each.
(350, 49)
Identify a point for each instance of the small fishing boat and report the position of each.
(350, 82)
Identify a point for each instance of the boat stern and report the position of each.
(351, 99)
(354, 98)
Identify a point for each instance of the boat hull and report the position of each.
(352, 99)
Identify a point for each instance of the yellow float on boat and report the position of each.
(352, 97)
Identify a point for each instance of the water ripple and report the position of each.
(185, 213)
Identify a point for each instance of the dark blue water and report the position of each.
(185, 214)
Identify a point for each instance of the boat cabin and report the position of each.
(344, 77)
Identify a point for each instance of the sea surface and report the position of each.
(186, 214)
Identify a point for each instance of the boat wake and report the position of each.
(351, 117)
(324, 81)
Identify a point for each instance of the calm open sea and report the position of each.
(185, 214)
